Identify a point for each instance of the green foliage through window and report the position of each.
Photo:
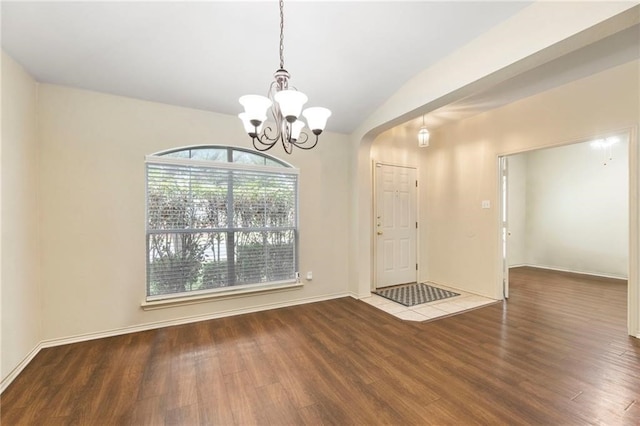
(213, 222)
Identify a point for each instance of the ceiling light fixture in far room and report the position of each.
(423, 135)
(606, 146)
(285, 104)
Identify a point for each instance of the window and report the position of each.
(218, 219)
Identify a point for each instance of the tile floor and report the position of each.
(431, 310)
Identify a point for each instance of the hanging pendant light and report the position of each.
(423, 135)
(286, 105)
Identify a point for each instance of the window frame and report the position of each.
(277, 167)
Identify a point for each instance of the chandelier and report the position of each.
(285, 104)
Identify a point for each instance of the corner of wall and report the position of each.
(20, 286)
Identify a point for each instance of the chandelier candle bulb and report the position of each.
(316, 118)
(255, 108)
(296, 129)
(249, 125)
(290, 103)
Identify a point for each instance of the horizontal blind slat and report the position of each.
(211, 227)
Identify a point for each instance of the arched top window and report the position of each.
(224, 154)
(219, 219)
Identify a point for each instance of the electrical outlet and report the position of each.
(309, 276)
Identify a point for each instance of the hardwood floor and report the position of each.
(556, 353)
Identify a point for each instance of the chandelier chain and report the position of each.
(285, 105)
(281, 34)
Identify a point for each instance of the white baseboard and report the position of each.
(155, 325)
(592, 274)
(359, 296)
(18, 369)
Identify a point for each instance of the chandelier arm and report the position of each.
(265, 135)
(304, 137)
(264, 140)
(301, 144)
(265, 146)
(287, 145)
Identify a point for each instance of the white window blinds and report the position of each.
(215, 225)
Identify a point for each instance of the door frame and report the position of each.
(633, 286)
(374, 229)
(503, 213)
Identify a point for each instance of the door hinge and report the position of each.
(416, 225)
(416, 184)
(416, 266)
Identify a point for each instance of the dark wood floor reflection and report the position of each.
(556, 353)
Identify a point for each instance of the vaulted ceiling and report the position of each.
(347, 56)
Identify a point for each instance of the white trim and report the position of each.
(573, 271)
(374, 208)
(225, 147)
(18, 369)
(633, 286)
(457, 288)
(502, 285)
(169, 301)
(359, 296)
(151, 159)
(385, 163)
(155, 325)
(185, 320)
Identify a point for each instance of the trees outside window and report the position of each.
(219, 217)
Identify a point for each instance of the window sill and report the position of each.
(149, 305)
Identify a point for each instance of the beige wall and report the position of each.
(19, 263)
(462, 167)
(574, 208)
(539, 33)
(517, 210)
(93, 204)
(459, 243)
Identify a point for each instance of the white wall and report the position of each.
(577, 209)
(19, 265)
(517, 209)
(396, 147)
(461, 164)
(93, 209)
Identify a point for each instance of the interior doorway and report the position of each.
(395, 225)
(567, 208)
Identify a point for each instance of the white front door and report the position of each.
(395, 225)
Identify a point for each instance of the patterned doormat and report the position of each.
(415, 294)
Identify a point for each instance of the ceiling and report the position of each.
(616, 49)
(347, 56)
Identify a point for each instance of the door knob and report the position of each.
(379, 232)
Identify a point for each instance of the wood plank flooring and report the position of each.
(556, 353)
